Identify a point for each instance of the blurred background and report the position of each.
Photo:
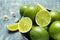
(7, 6)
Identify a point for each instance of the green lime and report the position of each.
(38, 33)
(12, 27)
(39, 7)
(54, 30)
(30, 12)
(43, 18)
(22, 9)
(25, 24)
(55, 15)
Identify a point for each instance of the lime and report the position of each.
(43, 18)
(55, 15)
(30, 12)
(54, 30)
(22, 9)
(25, 24)
(39, 7)
(12, 27)
(38, 33)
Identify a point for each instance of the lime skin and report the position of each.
(22, 9)
(38, 33)
(30, 12)
(55, 15)
(54, 30)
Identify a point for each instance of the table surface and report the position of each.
(7, 6)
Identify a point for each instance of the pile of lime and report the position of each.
(43, 18)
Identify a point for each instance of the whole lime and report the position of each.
(54, 30)
(22, 9)
(38, 33)
(30, 12)
(55, 15)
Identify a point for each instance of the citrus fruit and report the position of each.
(39, 7)
(30, 12)
(43, 18)
(55, 15)
(24, 25)
(22, 9)
(12, 27)
(54, 30)
(38, 33)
